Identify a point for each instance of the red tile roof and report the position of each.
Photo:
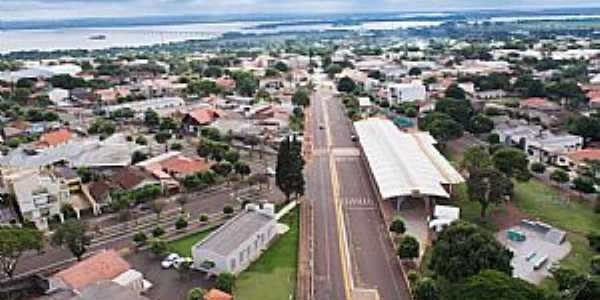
(54, 138)
(205, 116)
(105, 265)
(585, 154)
(215, 294)
(130, 177)
(184, 166)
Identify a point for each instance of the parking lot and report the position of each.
(167, 284)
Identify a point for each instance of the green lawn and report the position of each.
(541, 201)
(273, 275)
(183, 246)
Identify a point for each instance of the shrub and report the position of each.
(594, 241)
(537, 167)
(157, 231)
(398, 226)
(228, 210)
(225, 282)
(140, 239)
(493, 139)
(595, 265)
(559, 176)
(584, 185)
(181, 223)
(411, 112)
(203, 218)
(159, 247)
(409, 248)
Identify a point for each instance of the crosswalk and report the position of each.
(358, 202)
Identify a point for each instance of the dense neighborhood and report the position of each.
(426, 169)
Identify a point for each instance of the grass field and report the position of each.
(273, 275)
(183, 246)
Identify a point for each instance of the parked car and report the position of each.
(270, 171)
(170, 260)
(182, 260)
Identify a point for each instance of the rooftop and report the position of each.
(105, 265)
(228, 237)
(404, 164)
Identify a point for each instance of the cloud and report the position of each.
(59, 9)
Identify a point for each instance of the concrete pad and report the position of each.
(534, 243)
(414, 215)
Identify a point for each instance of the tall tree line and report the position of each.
(290, 164)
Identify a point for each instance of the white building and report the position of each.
(58, 95)
(237, 243)
(39, 196)
(404, 165)
(157, 104)
(406, 92)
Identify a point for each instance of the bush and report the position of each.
(157, 231)
(537, 167)
(225, 282)
(140, 239)
(493, 139)
(141, 140)
(595, 265)
(559, 176)
(203, 218)
(411, 112)
(176, 146)
(181, 223)
(398, 226)
(426, 289)
(228, 210)
(594, 241)
(584, 185)
(409, 248)
(196, 294)
(159, 247)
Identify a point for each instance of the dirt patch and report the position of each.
(508, 217)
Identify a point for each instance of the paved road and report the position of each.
(373, 262)
(210, 204)
(328, 278)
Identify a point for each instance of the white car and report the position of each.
(270, 171)
(177, 263)
(170, 260)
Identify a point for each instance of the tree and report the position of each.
(460, 110)
(281, 67)
(73, 235)
(181, 223)
(151, 118)
(140, 239)
(223, 168)
(481, 124)
(441, 126)
(594, 241)
(465, 249)
(138, 156)
(196, 294)
(157, 231)
(398, 226)
(595, 265)
(559, 176)
(162, 137)
(408, 248)
(228, 210)
(493, 139)
(538, 168)
(232, 156)
(455, 92)
(415, 71)
(426, 289)
(301, 98)
(346, 85)
(476, 158)
(511, 161)
(288, 174)
(225, 282)
(586, 127)
(584, 185)
(157, 207)
(492, 284)
(14, 241)
(242, 169)
(159, 247)
(488, 186)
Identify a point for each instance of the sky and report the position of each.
(66, 9)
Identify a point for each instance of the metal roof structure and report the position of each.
(241, 228)
(404, 164)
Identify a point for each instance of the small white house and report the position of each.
(406, 92)
(237, 243)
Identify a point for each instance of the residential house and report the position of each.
(542, 145)
(578, 160)
(53, 138)
(491, 94)
(215, 294)
(163, 106)
(133, 178)
(173, 166)
(58, 95)
(226, 83)
(39, 195)
(107, 265)
(406, 92)
(194, 120)
(235, 245)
